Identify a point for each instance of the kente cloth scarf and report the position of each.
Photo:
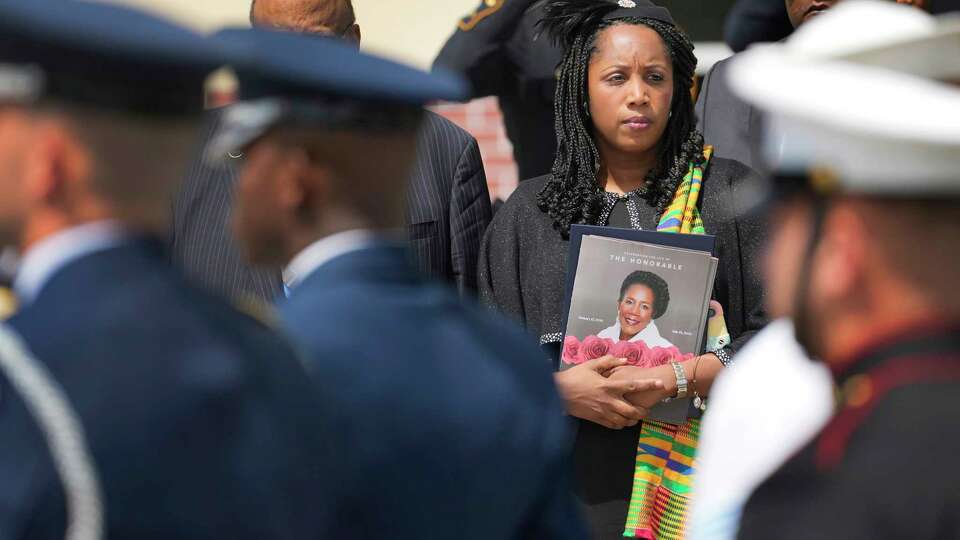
(663, 477)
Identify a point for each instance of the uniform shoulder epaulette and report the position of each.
(257, 310)
(487, 8)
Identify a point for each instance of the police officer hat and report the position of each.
(102, 55)
(318, 81)
(859, 96)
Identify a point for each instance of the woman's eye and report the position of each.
(656, 77)
(616, 78)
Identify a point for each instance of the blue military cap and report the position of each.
(102, 55)
(320, 81)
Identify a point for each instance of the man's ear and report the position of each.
(53, 163)
(291, 178)
(353, 34)
(843, 253)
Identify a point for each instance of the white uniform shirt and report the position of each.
(761, 410)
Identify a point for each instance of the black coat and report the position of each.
(200, 419)
(497, 48)
(448, 211)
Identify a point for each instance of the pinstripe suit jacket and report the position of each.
(448, 212)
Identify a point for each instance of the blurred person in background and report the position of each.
(628, 147)
(730, 125)
(436, 421)
(755, 21)
(861, 206)
(741, 444)
(448, 203)
(765, 21)
(198, 418)
(499, 50)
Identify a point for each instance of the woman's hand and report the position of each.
(590, 395)
(649, 397)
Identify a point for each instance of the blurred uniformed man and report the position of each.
(198, 418)
(741, 444)
(440, 419)
(865, 212)
(497, 48)
(448, 205)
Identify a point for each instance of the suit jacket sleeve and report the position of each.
(470, 214)
(750, 232)
(700, 108)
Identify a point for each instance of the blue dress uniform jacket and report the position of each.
(441, 421)
(197, 416)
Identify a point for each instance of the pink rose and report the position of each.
(661, 355)
(645, 360)
(594, 347)
(630, 351)
(571, 350)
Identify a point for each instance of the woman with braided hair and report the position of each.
(629, 155)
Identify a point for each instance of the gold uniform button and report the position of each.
(858, 391)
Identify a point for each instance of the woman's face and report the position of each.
(636, 309)
(630, 84)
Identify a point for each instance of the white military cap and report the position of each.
(863, 91)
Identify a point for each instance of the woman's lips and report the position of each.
(637, 122)
(631, 321)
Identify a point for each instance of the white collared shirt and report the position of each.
(323, 251)
(48, 256)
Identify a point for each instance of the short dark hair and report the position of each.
(661, 292)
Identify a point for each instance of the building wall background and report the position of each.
(413, 31)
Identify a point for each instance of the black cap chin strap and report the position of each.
(803, 314)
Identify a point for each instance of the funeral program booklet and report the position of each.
(641, 301)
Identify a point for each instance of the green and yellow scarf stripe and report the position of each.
(663, 477)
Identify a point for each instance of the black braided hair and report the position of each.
(573, 194)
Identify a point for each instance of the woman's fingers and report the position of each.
(605, 363)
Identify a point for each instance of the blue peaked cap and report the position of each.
(103, 55)
(321, 81)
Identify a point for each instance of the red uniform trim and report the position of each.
(884, 337)
(891, 375)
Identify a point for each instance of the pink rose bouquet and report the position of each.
(572, 351)
(594, 347)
